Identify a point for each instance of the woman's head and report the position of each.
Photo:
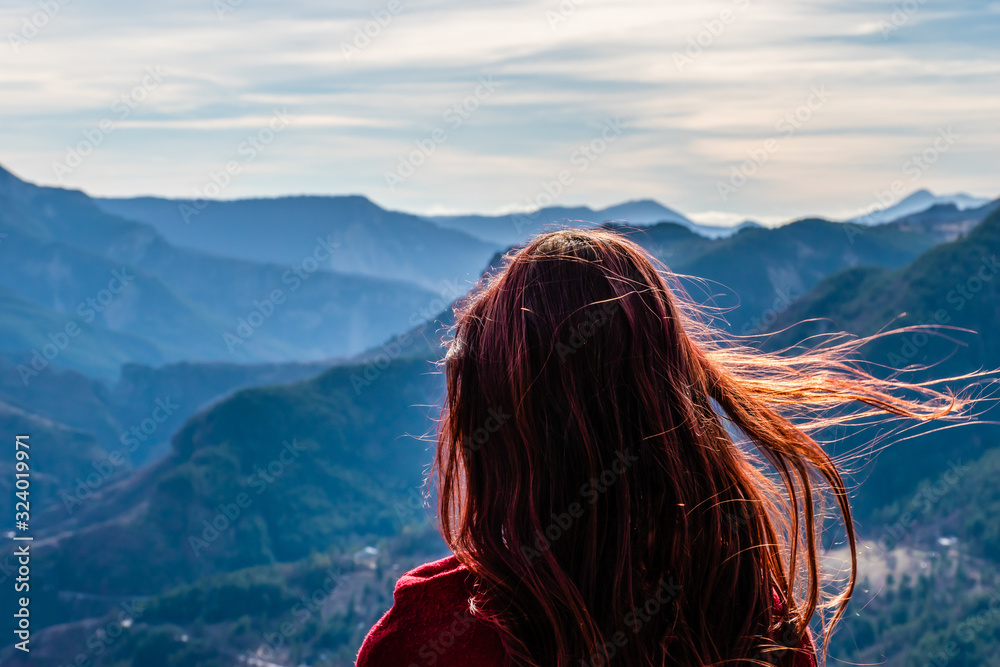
(591, 471)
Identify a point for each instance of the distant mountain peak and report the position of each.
(639, 203)
(917, 202)
(642, 211)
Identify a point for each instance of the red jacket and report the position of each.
(429, 625)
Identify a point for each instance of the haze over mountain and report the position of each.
(367, 239)
(68, 263)
(426, 250)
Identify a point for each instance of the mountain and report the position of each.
(125, 425)
(754, 271)
(367, 240)
(83, 405)
(80, 289)
(514, 228)
(58, 455)
(35, 339)
(946, 222)
(77, 265)
(294, 473)
(954, 284)
(673, 244)
(641, 212)
(348, 424)
(648, 212)
(268, 477)
(790, 260)
(921, 200)
(313, 611)
(191, 388)
(298, 469)
(929, 574)
(319, 465)
(756, 274)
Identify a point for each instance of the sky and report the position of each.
(761, 109)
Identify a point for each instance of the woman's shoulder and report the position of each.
(431, 623)
(440, 570)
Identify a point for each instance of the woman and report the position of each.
(619, 485)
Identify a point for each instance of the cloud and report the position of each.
(254, 122)
(698, 83)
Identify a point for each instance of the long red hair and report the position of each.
(626, 483)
